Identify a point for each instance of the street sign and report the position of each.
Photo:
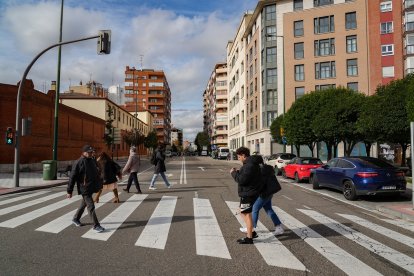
(284, 140)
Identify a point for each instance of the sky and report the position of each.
(183, 38)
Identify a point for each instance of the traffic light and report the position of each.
(104, 42)
(9, 136)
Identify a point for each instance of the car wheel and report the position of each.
(349, 190)
(277, 170)
(314, 180)
(297, 180)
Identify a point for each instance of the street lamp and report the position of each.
(283, 72)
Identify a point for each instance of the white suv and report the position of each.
(279, 160)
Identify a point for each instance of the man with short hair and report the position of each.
(86, 176)
(159, 167)
(249, 187)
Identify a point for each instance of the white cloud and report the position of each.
(186, 48)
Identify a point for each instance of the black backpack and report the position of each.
(153, 159)
(269, 180)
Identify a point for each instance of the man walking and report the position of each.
(159, 168)
(249, 187)
(86, 176)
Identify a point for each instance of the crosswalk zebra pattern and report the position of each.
(209, 235)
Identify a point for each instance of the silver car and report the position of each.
(279, 160)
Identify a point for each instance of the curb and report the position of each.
(395, 213)
(30, 188)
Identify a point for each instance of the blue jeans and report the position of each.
(266, 204)
(154, 177)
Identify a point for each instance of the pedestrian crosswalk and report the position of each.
(208, 232)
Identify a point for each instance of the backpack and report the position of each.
(269, 180)
(153, 159)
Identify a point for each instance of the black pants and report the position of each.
(87, 201)
(133, 177)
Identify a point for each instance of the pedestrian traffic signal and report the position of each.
(9, 136)
(104, 42)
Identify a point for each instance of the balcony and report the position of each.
(220, 132)
(409, 4)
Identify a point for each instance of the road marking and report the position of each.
(17, 221)
(287, 197)
(155, 233)
(374, 246)
(11, 200)
(183, 174)
(201, 168)
(221, 170)
(209, 238)
(269, 246)
(115, 219)
(61, 223)
(336, 255)
(401, 223)
(307, 207)
(381, 230)
(30, 203)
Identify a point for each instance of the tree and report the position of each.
(133, 137)
(276, 129)
(151, 141)
(201, 140)
(109, 135)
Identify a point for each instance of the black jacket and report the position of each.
(85, 174)
(160, 165)
(248, 178)
(109, 171)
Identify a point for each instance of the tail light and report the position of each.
(280, 161)
(303, 169)
(400, 174)
(366, 174)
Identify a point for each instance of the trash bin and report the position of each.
(49, 169)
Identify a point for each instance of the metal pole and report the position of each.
(19, 103)
(56, 125)
(284, 92)
(412, 159)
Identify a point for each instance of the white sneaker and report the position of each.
(244, 229)
(278, 230)
(152, 188)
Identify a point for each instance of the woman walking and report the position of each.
(132, 167)
(109, 170)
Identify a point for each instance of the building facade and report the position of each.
(177, 137)
(148, 90)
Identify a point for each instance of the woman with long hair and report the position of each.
(109, 170)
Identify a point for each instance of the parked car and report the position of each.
(356, 176)
(299, 168)
(279, 160)
(223, 153)
(168, 153)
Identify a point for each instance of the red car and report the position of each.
(299, 168)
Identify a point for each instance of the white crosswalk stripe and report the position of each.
(155, 233)
(209, 239)
(19, 198)
(401, 223)
(17, 221)
(269, 246)
(114, 220)
(339, 257)
(381, 230)
(30, 203)
(372, 245)
(63, 222)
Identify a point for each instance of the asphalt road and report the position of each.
(192, 229)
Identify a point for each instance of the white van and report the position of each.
(223, 153)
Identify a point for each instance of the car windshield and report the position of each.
(224, 150)
(287, 156)
(374, 163)
(311, 162)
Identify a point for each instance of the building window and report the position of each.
(386, 6)
(352, 67)
(352, 85)
(350, 20)
(409, 48)
(299, 92)
(388, 72)
(271, 12)
(324, 24)
(299, 72)
(271, 33)
(298, 28)
(351, 44)
(271, 54)
(387, 50)
(299, 51)
(387, 27)
(297, 5)
(271, 97)
(324, 47)
(271, 75)
(317, 3)
(271, 115)
(324, 86)
(325, 70)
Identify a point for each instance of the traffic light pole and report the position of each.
(19, 103)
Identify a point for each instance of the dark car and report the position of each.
(299, 168)
(356, 176)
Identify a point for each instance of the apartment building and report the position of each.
(408, 35)
(148, 90)
(91, 88)
(236, 86)
(215, 106)
(177, 137)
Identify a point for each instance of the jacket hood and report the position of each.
(256, 159)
